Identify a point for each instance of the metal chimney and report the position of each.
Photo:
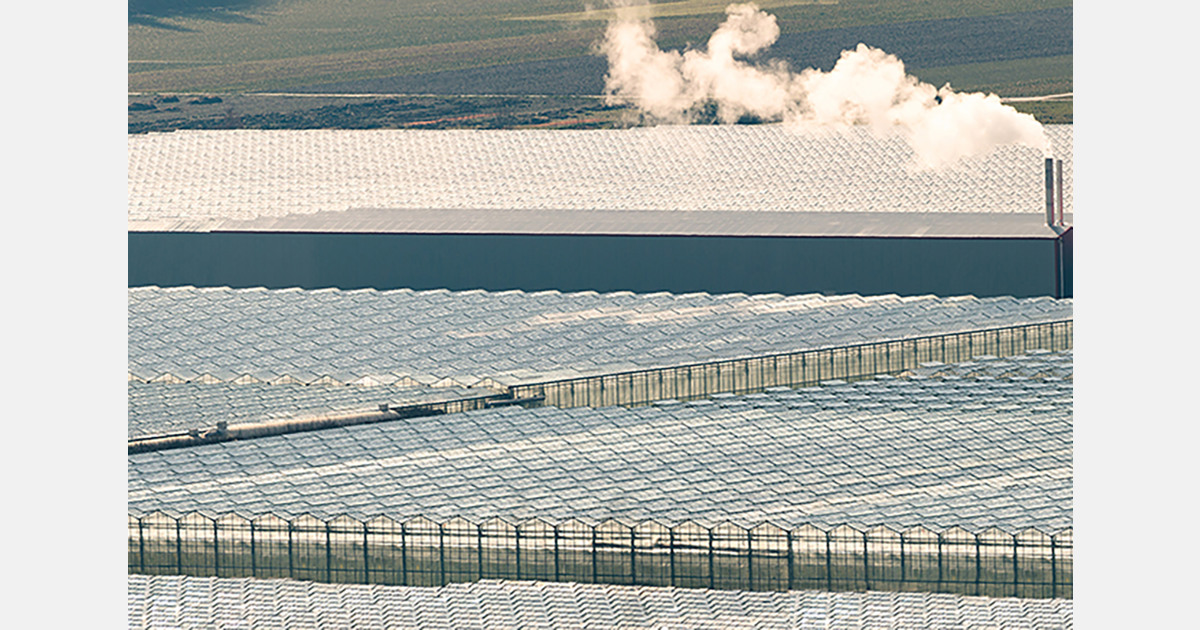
(1058, 192)
(1050, 191)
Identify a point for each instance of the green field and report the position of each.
(679, 8)
(1024, 77)
(230, 47)
(281, 44)
(281, 73)
(1056, 112)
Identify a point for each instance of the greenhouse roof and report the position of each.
(166, 601)
(925, 452)
(1034, 364)
(163, 408)
(199, 179)
(466, 337)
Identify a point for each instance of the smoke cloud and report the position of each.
(866, 86)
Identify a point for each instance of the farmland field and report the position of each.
(270, 111)
(958, 46)
(678, 8)
(522, 47)
(1021, 77)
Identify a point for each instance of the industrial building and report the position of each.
(756, 209)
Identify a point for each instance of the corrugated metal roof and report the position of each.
(195, 178)
(170, 601)
(936, 453)
(464, 337)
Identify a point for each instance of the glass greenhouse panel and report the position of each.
(837, 453)
(616, 339)
(666, 168)
(225, 602)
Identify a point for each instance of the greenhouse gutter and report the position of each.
(224, 432)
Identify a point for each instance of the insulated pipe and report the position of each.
(1050, 191)
(1058, 191)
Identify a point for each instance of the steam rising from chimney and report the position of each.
(865, 87)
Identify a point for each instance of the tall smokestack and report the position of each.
(1050, 191)
(1058, 192)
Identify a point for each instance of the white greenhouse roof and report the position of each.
(1038, 363)
(197, 179)
(903, 453)
(162, 602)
(454, 338)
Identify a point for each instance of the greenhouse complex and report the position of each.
(322, 435)
(699, 208)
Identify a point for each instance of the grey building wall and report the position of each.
(1019, 267)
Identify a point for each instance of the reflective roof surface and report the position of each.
(194, 177)
(464, 337)
(931, 452)
(1038, 363)
(164, 601)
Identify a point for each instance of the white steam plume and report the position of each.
(865, 87)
